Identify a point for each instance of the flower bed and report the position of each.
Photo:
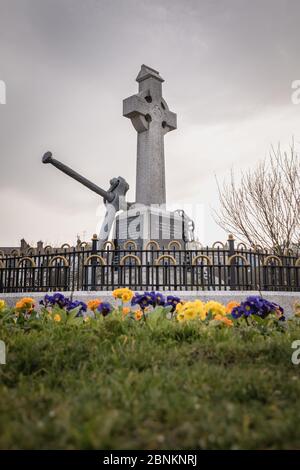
(129, 306)
(148, 371)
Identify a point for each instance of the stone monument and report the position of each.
(151, 118)
(147, 218)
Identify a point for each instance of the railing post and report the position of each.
(94, 262)
(231, 252)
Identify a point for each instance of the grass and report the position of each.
(127, 385)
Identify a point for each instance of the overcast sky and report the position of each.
(68, 64)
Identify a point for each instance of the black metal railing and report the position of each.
(85, 268)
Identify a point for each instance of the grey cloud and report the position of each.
(69, 63)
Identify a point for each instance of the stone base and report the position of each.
(142, 224)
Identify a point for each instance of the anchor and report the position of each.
(114, 198)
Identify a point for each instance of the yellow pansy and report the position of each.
(199, 306)
(127, 296)
(125, 310)
(215, 308)
(191, 310)
(179, 307)
(187, 305)
(180, 317)
(297, 308)
(117, 293)
(190, 313)
(124, 294)
(57, 317)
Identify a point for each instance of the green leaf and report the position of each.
(258, 319)
(73, 313)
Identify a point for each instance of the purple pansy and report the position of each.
(56, 299)
(148, 298)
(105, 308)
(256, 305)
(172, 301)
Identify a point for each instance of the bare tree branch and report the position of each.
(263, 208)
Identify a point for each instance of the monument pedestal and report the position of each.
(142, 224)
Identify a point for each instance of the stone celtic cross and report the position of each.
(151, 118)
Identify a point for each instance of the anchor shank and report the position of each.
(108, 196)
